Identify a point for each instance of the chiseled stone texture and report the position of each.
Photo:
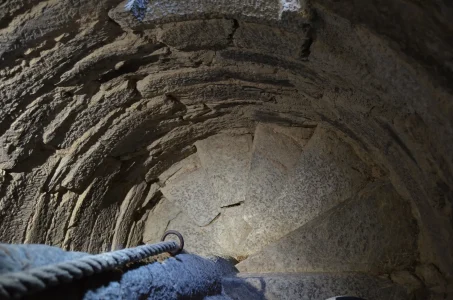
(275, 152)
(191, 190)
(315, 286)
(264, 38)
(193, 35)
(407, 279)
(125, 218)
(226, 160)
(326, 173)
(372, 233)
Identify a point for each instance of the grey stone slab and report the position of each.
(229, 231)
(326, 173)
(158, 219)
(193, 35)
(161, 11)
(177, 167)
(198, 240)
(275, 153)
(373, 233)
(263, 38)
(310, 286)
(191, 190)
(226, 159)
(125, 220)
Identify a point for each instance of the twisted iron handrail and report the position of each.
(19, 284)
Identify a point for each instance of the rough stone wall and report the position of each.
(95, 104)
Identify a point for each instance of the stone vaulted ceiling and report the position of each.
(96, 104)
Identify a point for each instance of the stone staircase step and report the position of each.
(310, 286)
(374, 233)
(167, 216)
(276, 151)
(230, 230)
(223, 236)
(226, 160)
(158, 220)
(191, 190)
(326, 173)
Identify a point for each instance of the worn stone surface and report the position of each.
(198, 239)
(262, 38)
(226, 160)
(224, 236)
(93, 102)
(19, 199)
(274, 156)
(315, 286)
(326, 173)
(86, 211)
(125, 225)
(191, 190)
(373, 233)
(230, 230)
(195, 35)
(158, 220)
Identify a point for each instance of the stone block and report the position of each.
(267, 39)
(373, 233)
(274, 156)
(226, 160)
(326, 173)
(193, 35)
(191, 190)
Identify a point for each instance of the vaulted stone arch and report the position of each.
(97, 105)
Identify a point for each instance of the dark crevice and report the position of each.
(233, 205)
(234, 103)
(233, 31)
(140, 212)
(213, 220)
(114, 22)
(309, 33)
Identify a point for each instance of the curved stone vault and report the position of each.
(100, 109)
